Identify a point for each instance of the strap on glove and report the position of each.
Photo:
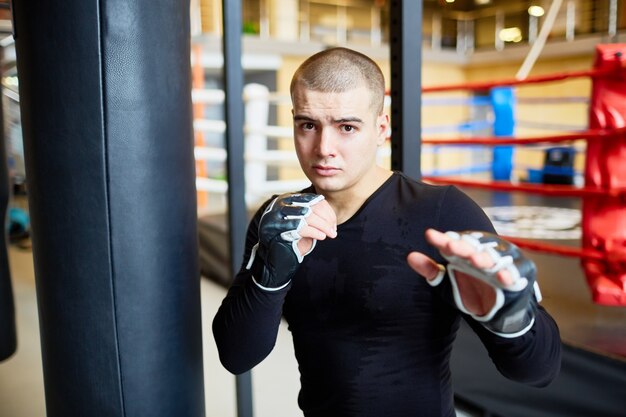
(513, 313)
(275, 258)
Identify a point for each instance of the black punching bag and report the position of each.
(106, 113)
(7, 309)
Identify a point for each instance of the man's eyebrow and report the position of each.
(348, 120)
(303, 118)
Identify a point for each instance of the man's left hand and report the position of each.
(478, 296)
(490, 278)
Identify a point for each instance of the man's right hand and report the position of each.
(288, 230)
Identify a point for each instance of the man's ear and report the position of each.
(382, 123)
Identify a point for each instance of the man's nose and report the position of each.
(326, 143)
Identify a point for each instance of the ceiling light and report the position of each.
(513, 34)
(482, 2)
(536, 11)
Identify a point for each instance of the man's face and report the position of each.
(336, 138)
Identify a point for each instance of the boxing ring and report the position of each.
(579, 247)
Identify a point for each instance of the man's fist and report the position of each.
(489, 279)
(513, 312)
(282, 228)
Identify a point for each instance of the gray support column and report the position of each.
(106, 112)
(237, 217)
(406, 85)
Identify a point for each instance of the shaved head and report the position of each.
(338, 70)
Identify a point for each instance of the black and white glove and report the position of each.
(275, 258)
(513, 313)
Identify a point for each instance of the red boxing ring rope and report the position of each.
(481, 86)
(557, 249)
(591, 134)
(478, 86)
(551, 189)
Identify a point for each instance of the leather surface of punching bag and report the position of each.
(106, 113)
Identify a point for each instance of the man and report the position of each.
(342, 261)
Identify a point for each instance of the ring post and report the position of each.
(106, 116)
(604, 215)
(256, 116)
(503, 106)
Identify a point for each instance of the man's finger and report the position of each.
(436, 238)
(481, 260)
(320, 224)
(449, 246)
(326, 212)
(316, 233)
(505, 278)
(424, 265)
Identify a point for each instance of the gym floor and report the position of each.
(275, 380)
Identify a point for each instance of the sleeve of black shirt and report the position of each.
(533, 358)
(245, 326)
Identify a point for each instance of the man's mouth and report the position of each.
(325, 170)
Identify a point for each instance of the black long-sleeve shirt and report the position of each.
(371, 337)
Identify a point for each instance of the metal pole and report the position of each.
(612, 20)
(406, 85)
(435, 43)
(342, 25)
(533, 28)
(233, 115)
(570, 20)
(264, 21)
(376, 34)
(499, 43)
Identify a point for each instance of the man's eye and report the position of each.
(348, 128)
(308, 126)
